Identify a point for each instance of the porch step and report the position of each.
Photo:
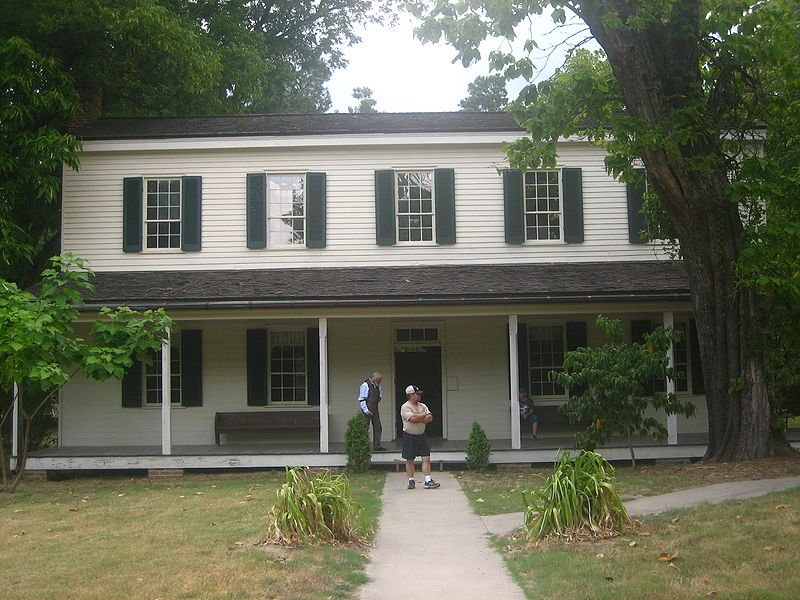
(164, 473)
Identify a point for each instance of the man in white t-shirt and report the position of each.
(415, 417)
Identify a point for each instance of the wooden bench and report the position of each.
(552, 419)
(248, 422)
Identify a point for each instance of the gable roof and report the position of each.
(392, 286)
(296, 124)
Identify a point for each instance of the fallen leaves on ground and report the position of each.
(667, 557)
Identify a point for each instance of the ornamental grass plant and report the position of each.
(578, 501)
(316, 509)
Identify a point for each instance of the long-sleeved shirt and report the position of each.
(363, 394)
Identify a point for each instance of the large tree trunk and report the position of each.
(658, 71)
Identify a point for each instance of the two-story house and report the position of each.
(299, 253)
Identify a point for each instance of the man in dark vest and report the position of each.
(369, 396)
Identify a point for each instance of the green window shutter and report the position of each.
(635, 194)
(444, 186)
(132, 214)
(191, 208)
(132, 386)
(575, 332)
(256, 210)
(385, 234)
(698, 382)
(316, 191)
(192, 367)
(312, 365)
(572, 188)
(522, 357)
(513, 207)
(257, 367)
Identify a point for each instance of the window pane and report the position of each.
(286, 210)
(542, 205)
(288, 366)
(414, 206)
(545, 354)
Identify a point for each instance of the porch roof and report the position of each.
(392, 286)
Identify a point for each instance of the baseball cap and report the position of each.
(412, 389)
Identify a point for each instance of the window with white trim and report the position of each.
(542, 205)
(287, 367)
(680, 351)
(415, 206)
(162, 218)
(152, 377)
(286, 210)
(545, 353)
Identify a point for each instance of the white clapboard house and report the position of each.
(299, 253)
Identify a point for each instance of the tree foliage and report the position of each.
(366, 103)
(486, 94)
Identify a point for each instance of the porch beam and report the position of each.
(15, 422)
(323, 385)
(513, 373)
(672, 420)
(166, 397)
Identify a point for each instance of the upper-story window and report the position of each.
(415, 206)
(286, 202)
(163, 213)
(542, 206)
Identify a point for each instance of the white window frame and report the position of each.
(148, 373)
(545, 399)
(145, 220)
(398, 214)
(270, 372)
(271, 243)
(687, 366)
(560, 212)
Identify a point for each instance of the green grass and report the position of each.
(741, 549)
(193, 537)
(497, 492)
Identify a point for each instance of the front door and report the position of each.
(420, 366)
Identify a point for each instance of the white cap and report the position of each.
(412, 389)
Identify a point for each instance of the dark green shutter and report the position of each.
(576, 335)
(635, 193)
(444, 184)
(191, 209)
(316, 191)
(572, 187)
(522, 357)
(698, 382)
(192, 367)
(385, 234)
(257, 367)
(256, 210)
(132, 386)
(513, 207)
(132, 214)
(312, 365)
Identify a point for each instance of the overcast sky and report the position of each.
(407, 76)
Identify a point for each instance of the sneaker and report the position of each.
(431, 485)
(412, 484)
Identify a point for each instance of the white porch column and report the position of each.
(166, 397)
(323, 384)
(672, 420)
(513, 373)
(15, 423)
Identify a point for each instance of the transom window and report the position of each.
(152, 377)
(545, 354)
(542, 206)
(286, 199)
(287, 367)
(163, 213)
(415, 206)
(417, 334)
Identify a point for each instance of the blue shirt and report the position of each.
(363, 394)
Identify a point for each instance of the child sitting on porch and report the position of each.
(526, 414)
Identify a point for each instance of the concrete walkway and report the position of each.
(430, 544)
(648, 505)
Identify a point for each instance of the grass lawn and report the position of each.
(496, 492)
(193, 537)
(740, 549)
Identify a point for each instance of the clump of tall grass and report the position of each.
(316, 509)
(579, 501)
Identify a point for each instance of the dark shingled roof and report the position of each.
(392, 286)
(309, 124)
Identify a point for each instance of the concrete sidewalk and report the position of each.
(648, 505)
(430, 544)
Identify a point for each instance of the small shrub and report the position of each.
(357, 445)
(478, 449)
(315, 509)
(579, 500)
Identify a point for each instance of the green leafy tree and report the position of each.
(357, 445)
(366, 103)
(677, 86)
(478, 449)
(486, 94)
(610, 386)
(40, 350)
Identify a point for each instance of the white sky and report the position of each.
(407, 76)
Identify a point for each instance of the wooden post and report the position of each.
(672, 420)
(166, 397)
(323, 385)
(513, 373)
(15, 426)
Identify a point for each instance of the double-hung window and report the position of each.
(286, 201)
(545, 354)
(152, 377)
(542, 205)
(287, 367)
(681, 358)
(163, 213)
(415, 206)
